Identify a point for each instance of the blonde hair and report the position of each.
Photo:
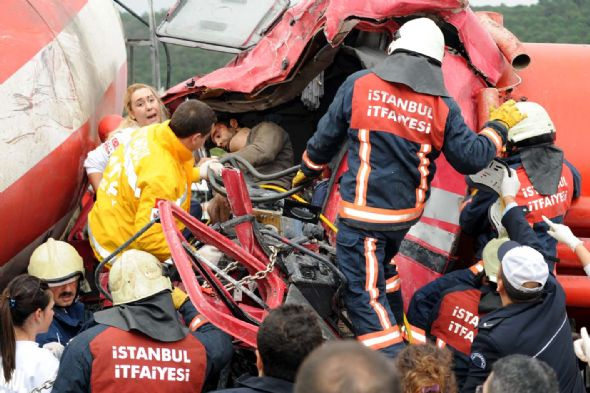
(426, 368)
(129, 121)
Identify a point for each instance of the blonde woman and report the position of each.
(143, 107)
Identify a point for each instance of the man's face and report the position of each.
(222, 135)
(64, 295)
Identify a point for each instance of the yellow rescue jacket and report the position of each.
(153, 165)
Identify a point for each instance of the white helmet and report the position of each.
(536, 123)
(136, 275)
(422, 36)
(57, 263)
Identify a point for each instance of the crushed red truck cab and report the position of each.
(290, 68)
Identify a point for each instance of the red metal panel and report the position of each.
(558, 79)
(271, 287)
(273, 59)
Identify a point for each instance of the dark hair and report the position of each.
(23, 296)
(347, 366)
(192, 117)
(523, 374)
(426, 366)
(287, 335)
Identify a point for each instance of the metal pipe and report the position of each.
(508, 43)
(154, 52)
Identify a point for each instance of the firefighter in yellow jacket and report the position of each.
(157, 163)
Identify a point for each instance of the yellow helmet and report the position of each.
(57, 263)
(136, 275)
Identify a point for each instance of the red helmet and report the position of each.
(108, 124)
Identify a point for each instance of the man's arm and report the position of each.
(75, 367)
(154, 188)
(266, 142)
(331, 131)
(474, 216)
(217, 343)
(467, 151)
(424, 301)
(513, 219)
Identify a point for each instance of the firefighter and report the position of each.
(397, 118)
(548, 181)
(157, 163)
(448, 309)
(140, 344)
(532, 320)
(59, 265)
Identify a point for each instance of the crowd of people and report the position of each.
(500, 325)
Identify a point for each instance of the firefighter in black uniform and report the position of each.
(549, 182)
(397, 119)
(533, 319)
(140, 345)
(447, 310)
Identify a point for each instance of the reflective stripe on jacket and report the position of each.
(153, 165)
(395, 135)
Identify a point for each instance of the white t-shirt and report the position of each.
(34, 367)
(97, 160)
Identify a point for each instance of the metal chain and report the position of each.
(250, 278)
(260, 274)
(229, 268)
(48, 385)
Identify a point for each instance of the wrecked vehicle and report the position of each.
(296, 54)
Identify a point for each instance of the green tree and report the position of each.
(563, 21)
(185, 62)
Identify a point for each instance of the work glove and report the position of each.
(299, 179)
(179, 297)
(214, 165)
(507, 113)
(582, 346)
(55, 348)
(562, 233)
(510, 183)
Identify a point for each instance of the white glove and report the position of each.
(55, 348)
(210, 253)
(562, 233)
(582, 346)
(214, 165)
(510, 183)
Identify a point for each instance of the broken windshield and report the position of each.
(225, 25)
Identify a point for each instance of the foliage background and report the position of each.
(562, 21)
